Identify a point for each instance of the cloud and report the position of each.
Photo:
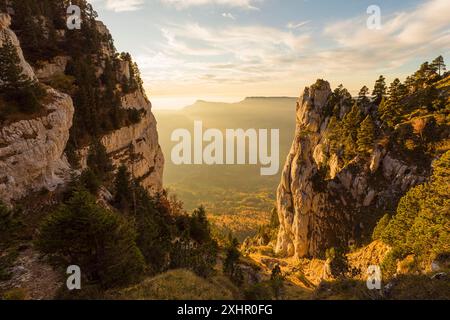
(403, 35)
(233, 55)
(228, 15)
(122, 5)
(244, 4)
(261, 57)
(297, 25)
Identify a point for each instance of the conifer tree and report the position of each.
(101, 242)
(99, 161)
(124, 195)
(362, 96)
(276, 281)
(366, 136)
(392, 107)
(231, 264)
(379, 91)
(438, 65)
(11, 73)
(15, 86)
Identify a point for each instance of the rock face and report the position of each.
(137, 146)
(32, 151)
(56, 66)
(317, 212)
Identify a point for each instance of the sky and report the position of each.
(225, 50)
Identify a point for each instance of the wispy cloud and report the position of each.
(228, 15)
(403, 35)
(297, 25)
(193, 55)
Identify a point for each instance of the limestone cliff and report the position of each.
(318, 211)
(32, 151)
(136, 146)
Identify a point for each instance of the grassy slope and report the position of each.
(179, 285)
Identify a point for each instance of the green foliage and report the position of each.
(339, 266)
(99, 161)
(62, 82)
(277, 281)
(155, 229)
(90, 181)
(194, 247)
(391, 109)
(343, 134)
(134, 82)
(381, 226)
(438, 65)
(15, 87)
(99, 241)
(380, 89)
(422, 222)
(123, 197)
(366, 136)
(37, 23)
(363, 100)
(231, 266)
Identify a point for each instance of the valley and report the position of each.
(237, 197)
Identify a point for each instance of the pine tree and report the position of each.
(15, 86)
(438, 65)
(11, 73)
(349, 131)
(123, 190)
(379, 90)
(392, 108)
(276, 281)
(231, 263)
(366, 136)
(99, 161)
(199, 226)
(362, 96)
(3, 6)
(101, 242)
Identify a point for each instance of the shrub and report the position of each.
(100, 242)
(338, 262)
(90, 181)
(62, 82)
(381, 226)
(421, 224)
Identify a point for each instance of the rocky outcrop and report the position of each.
(32, 151)
(319, 211)
(56, 66)
(137, 146)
